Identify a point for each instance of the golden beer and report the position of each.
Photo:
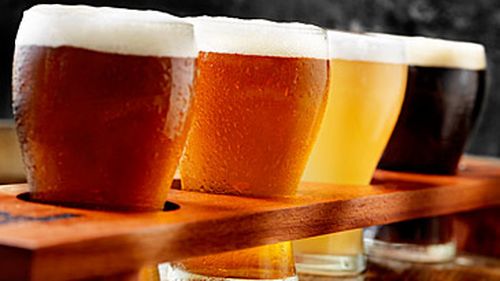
(261, 90)
(367, 84)
(365, 101)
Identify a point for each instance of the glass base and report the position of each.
(174, 273)
(330, 265)
(435, 253)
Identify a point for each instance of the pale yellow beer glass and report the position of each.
(367, 84)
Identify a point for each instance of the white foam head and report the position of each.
(111, 30)
(422, 51)
(259, 37)
(359, 47)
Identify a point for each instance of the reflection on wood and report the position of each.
(478, 232)
(464, 268)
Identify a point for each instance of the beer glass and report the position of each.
(367, 82)
(102, 100)
(446, 86)
(261, 90)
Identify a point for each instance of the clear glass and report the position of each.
(334, 254)
(426, 240)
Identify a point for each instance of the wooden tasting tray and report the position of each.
(45, 242)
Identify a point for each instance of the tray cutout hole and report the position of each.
(167, 207)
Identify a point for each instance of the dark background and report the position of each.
(468, 20)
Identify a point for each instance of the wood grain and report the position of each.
(478, 231)
(464, 268)
(56, 243)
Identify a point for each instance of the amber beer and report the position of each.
(261, 90)
(446, 86)
(254, 128)
(101, 100)
(367, 82)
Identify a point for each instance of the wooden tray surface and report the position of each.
(45, 242)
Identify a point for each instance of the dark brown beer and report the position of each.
(445, 90)
(439, 111)
(102, 119)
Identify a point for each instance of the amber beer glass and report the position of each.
(261, 90)
(446, 86)
(101, 100)
(367, 82)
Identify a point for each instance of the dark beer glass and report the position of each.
(445, 90)
(102, 101)
(441, 105)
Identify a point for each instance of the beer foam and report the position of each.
(360, 47)
(424, 51)
(259, 37)
(111, 30)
